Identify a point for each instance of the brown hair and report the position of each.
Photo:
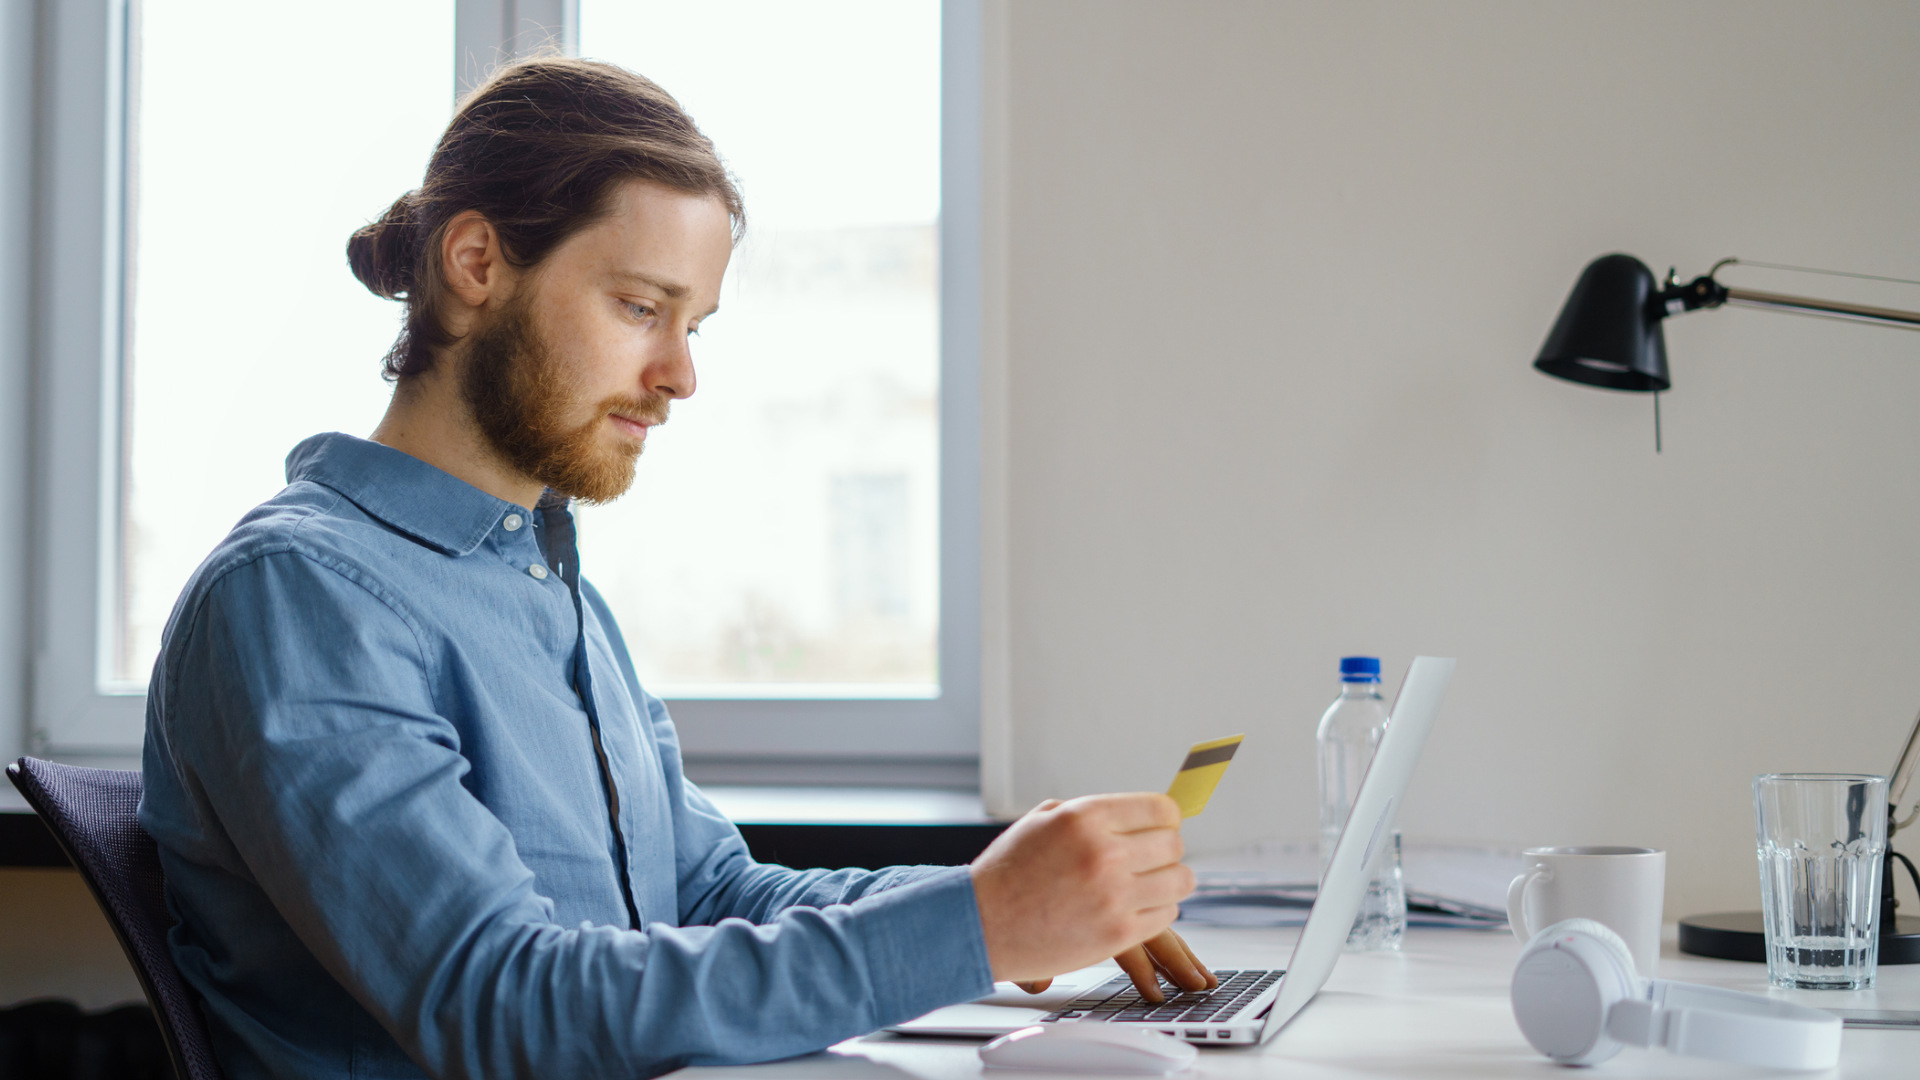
(538, 150)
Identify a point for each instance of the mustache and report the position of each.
(650, 410)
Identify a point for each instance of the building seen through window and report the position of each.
(783, 535)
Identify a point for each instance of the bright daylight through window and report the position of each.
(246, 331)
(782, 538)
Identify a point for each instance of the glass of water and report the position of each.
(1822, 838)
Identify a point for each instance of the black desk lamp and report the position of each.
(1608, 335)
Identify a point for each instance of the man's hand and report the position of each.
(1073, 883)
(1166, 954)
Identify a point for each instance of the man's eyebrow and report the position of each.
(671, 290)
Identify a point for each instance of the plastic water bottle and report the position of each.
(1349, 734)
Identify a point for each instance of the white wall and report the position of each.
(1276, 274)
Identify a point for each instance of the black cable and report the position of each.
(1911, 872)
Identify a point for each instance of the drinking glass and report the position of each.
(1822, 838)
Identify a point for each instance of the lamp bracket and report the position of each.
(1701, 292)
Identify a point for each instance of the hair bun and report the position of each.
(383, 252)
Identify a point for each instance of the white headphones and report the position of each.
(1579, 1000)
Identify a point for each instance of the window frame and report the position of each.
(79, 357)
(79, 713)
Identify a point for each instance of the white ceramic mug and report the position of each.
(1620, 887)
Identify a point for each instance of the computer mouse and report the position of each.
(1088, 1048)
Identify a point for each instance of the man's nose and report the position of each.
(671, 373)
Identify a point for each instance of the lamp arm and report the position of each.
(1706, 291)
(1827, 309)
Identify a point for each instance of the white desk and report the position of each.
(1438, 1009)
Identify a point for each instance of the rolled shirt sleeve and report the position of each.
(312, 729)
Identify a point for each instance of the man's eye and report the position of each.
(640, 311)
(693, 331)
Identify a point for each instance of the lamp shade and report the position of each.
(1608, 334)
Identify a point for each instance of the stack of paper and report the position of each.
(1272, 883)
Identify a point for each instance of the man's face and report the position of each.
(565, 378)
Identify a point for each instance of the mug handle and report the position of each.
(1517, 899)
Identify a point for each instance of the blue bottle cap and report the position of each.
(1359, 669)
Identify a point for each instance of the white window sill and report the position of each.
(771, 805)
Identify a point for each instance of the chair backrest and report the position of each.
(93, 813)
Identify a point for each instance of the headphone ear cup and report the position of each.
(1568, 978)
(1578, 1000)
(1613, 942)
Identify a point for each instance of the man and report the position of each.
(415, 810)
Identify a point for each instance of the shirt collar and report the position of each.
(434, 507)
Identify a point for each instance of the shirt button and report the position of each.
(539, 572)
(512, 522)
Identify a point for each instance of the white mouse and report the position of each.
(1089, 1048)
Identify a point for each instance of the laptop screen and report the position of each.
(1368, 824)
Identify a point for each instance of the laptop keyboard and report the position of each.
(1118, 1000)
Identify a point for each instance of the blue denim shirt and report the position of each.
(417, 814)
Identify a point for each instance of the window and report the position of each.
(816, 594)
(783, 536)
(246, 333)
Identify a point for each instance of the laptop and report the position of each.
(1251, 1005)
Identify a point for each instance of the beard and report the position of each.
(530, 413)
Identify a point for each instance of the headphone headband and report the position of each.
(1726, 1025)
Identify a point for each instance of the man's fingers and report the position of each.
(1165, 886)
(1157, 919)
(1213, 981)
(1152, 850)
(1169, 946)
(1037, 986)
(1135, 811)
(1177, 961)
(1139, 967)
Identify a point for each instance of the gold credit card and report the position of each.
(1206, 763)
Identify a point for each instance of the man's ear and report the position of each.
(472, 265)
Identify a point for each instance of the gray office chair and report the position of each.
(92, 813)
